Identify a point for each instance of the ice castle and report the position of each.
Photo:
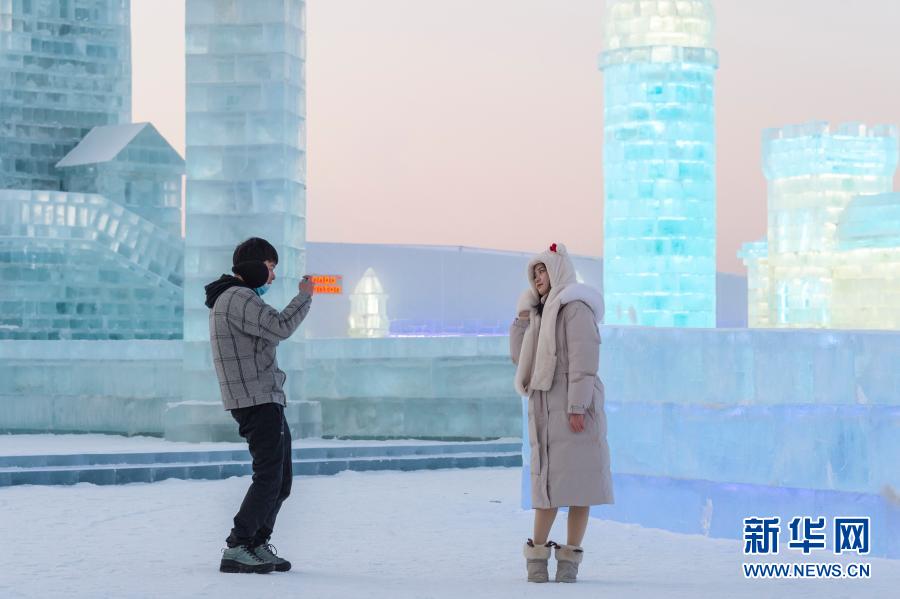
(832, 253)
(90, 244)
(659, 245)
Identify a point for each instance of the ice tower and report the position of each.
(65, 67)
(246, 159)
(832, 252)
(659, 247)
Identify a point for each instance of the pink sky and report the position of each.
(479, 122)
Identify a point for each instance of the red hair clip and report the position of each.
(553, 247)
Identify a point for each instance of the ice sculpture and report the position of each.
(246, 158)
(105, 262)
(368, 308)
(659, 163)
(830, 256)
(66, 67)
(132, 165)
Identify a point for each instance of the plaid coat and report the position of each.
(244, 332)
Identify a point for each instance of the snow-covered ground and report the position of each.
(446, 533)
(48, 444)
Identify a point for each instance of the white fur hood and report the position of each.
(586, 294)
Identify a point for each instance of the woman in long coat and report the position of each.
(555, 344)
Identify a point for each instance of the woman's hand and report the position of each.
(524, 315)
(576, 422)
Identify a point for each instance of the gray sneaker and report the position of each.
(244, 560)
(268, 553)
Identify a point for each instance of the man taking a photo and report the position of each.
(244, 333)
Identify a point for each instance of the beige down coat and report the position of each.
(567, 468)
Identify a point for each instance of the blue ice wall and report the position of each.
(801, 408)
(720, 425)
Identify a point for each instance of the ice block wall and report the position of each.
(246, 157)
(815, 409)
(439, 388)
(88, 386)
(65, 68)
(423, 387)
(659, 164)
(53, 387)
(708, 427)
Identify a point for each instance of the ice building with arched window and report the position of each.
(832, 253)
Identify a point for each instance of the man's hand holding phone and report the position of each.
(307, 286)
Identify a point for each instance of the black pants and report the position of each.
(266, 431)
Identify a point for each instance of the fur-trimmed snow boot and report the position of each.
(567, 559)
(536, 560)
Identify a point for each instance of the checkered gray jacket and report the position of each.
(244, 332)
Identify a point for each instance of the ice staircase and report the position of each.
(79, 266)
(149, 249)
(122, 468)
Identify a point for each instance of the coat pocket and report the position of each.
(598, 413)
(533, 440)
(591, 424)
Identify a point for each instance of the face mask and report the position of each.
(260, 291)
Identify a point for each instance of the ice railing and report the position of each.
(447, 328)
(818, 148)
